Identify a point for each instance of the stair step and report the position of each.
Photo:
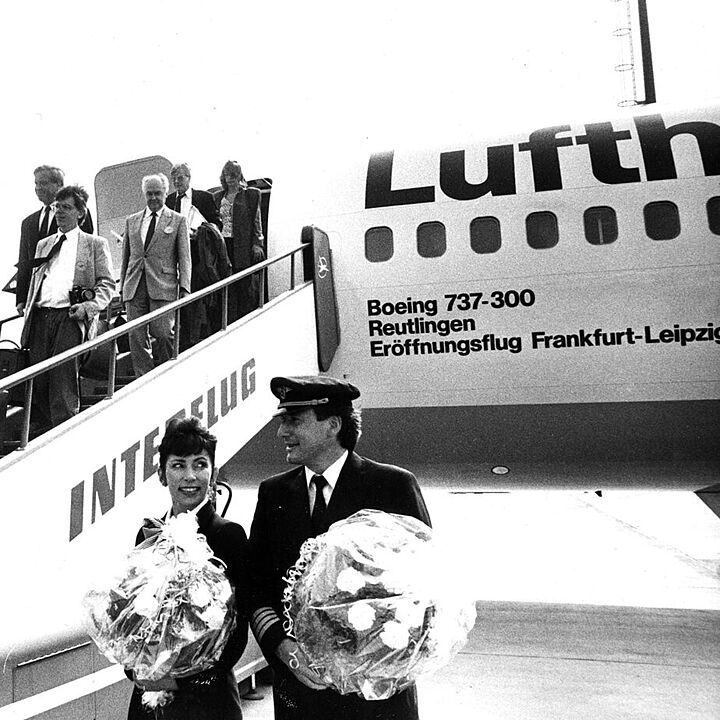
(9, 446)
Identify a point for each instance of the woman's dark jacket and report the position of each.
(213, 693)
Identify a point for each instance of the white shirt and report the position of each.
(60, 272)
(331, 474)
(145, 224)
(51, 215)
(190, 212)
(185, 203)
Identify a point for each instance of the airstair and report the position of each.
(75, 495)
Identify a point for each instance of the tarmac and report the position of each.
(587, 607)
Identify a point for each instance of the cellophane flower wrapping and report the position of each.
(168, 609)
(373, 604)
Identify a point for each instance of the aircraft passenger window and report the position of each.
(713, 213)
(601, 226)
(431, 240)
(379, 244)
(662, 220)
(485, 234)
(542, 230)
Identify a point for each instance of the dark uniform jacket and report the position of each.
(280, 525)
(212, 694)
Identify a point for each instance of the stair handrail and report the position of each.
(111, 336)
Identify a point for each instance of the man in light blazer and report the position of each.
(39, 225)
(155, 271)
(185, 198)
(68, 263)
(319, 428)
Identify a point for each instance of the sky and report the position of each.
(88, 85)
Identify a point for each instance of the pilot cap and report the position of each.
(312, 391)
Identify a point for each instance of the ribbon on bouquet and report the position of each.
(151, 527)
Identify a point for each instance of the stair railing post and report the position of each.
(25, 434)
(112, 369)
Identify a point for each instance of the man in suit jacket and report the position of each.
(55, 320)
(155, 269)
(39, 225)
(185, 198)
(319, 427)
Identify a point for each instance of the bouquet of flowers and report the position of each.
(372, 606)
(168, 610)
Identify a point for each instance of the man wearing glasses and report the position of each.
(195, 205)
(71, 282)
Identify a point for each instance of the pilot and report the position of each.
(320, 428)
(71, 282)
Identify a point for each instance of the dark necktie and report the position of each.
(45, 224)
(54, 250)
(151, 229)
(178, 202)
(318, 512)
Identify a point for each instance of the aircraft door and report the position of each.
(118, 193)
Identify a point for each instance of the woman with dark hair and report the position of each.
(187, 469)
(239, 209)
